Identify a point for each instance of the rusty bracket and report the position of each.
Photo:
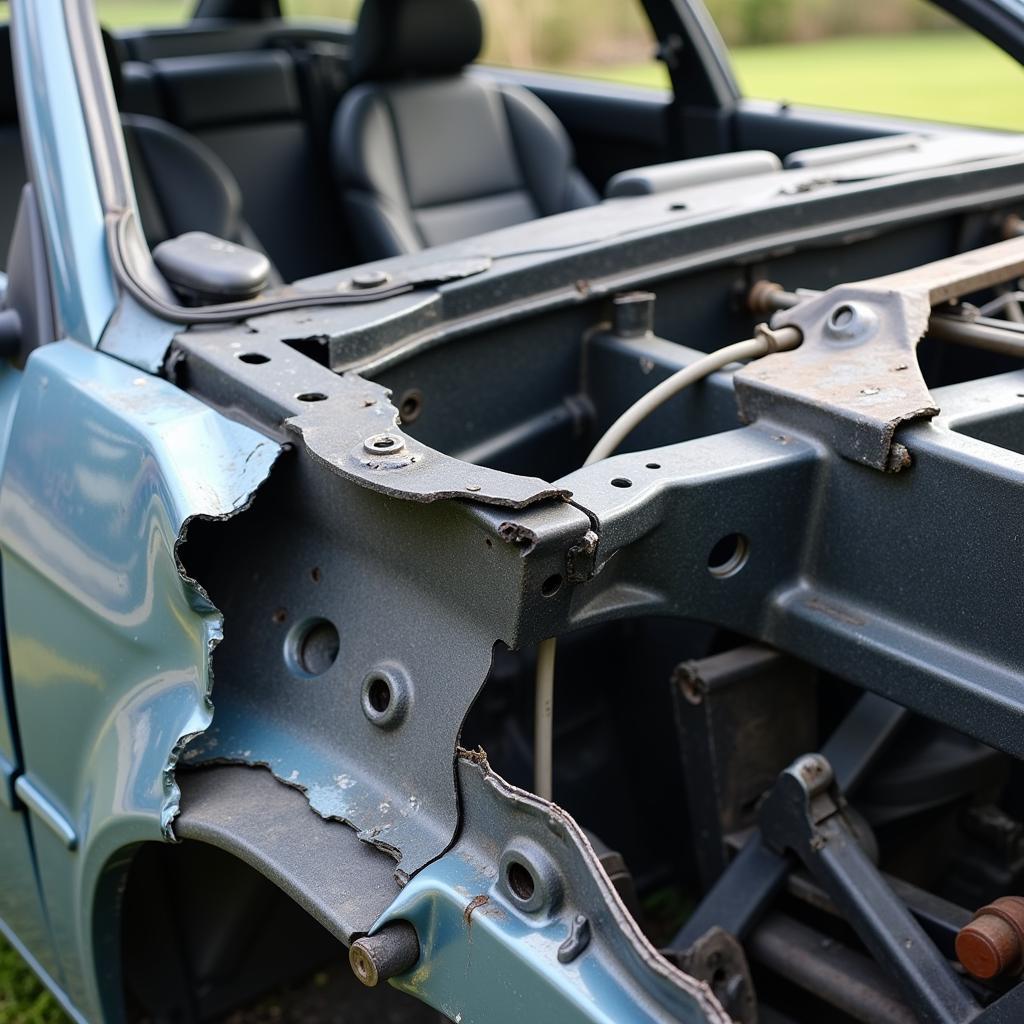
(855, 379)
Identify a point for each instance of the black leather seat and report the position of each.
(12, 164)
(424, 154)
(180, 184)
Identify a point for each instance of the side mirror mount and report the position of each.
(203, 269)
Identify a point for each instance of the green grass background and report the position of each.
(944, 76)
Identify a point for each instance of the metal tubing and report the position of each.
(835, 974)
(986, 333)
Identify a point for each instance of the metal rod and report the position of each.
(844, 979)
(1000, 336)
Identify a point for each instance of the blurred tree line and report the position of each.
(560, 33)
(581, 33)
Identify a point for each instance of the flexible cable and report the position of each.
(765, 342)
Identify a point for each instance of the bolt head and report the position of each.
(383, 444)
(362, 965)
(370, 279)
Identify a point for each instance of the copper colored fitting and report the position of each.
(759, 298)
(993, 943)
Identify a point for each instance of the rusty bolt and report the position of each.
(762, 296)
(390, 951)
(993, 943)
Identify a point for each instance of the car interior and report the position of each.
(325, 145)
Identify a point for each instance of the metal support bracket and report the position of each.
(855, 379)
(805, 813)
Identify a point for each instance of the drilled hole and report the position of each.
(378, 693)
(314, 646)
(621, 481)
(551, 585)
(841, 316)
(410, 405)
(729, 555)
(254, 358)
(520, 881)
(312, 396)
(653, 465)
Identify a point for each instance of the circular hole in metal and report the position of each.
(520, 881)
(312, 647)
(386, 696)
(653, 465)
(254, 358)
(841, 316)
(551, 585)
(410, 405)
(729, 555)
(378, 693)
(621, 481)
(312, 396)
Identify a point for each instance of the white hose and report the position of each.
(753, 348)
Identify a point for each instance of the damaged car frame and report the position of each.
(282, 562)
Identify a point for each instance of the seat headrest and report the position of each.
(8, 99)
(403, 38)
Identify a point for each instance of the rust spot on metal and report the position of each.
(520, 536)
(478, 756)
(476, 901)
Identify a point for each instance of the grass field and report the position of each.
(943, 76)
(23, 1000)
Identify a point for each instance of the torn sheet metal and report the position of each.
(106, 468)
(855, 379)
(522, 898)
(369, 626)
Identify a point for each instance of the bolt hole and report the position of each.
(551, 585)
(621, 481)
(729, 555)
(313, 647)
(384, 444)
(378, 693)
(653, 465)
(841, 316)
(315, 574)
(254, 358)
(520, 881)
(312, 396)
(410, 406)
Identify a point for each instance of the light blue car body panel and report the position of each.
(89, 532)
(59, 155)
(103, 466)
